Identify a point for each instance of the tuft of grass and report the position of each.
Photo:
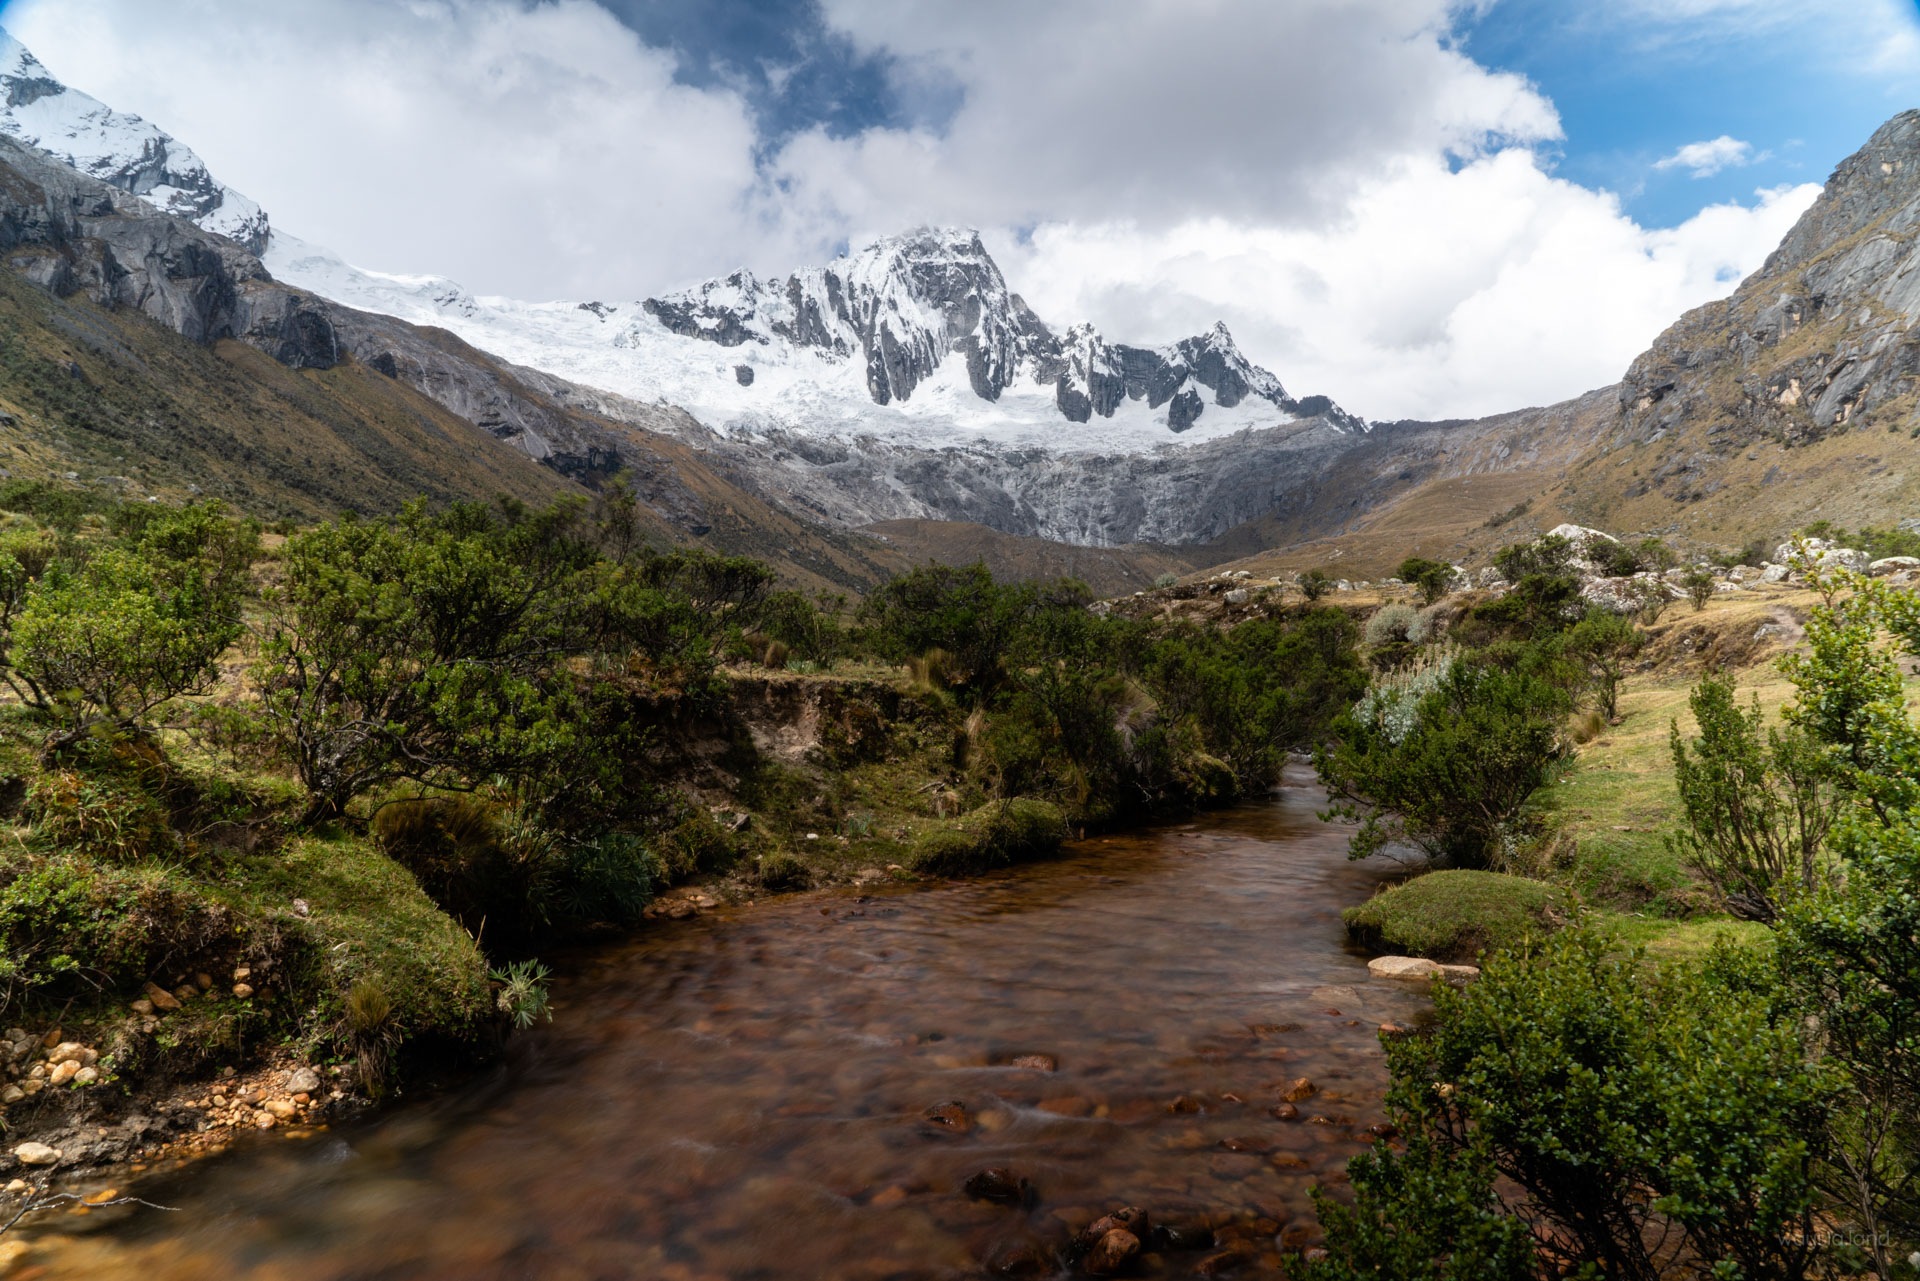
(998, 834)
(1454, 915)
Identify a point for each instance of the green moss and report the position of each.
(998, 834)
(1454, 915)
(368, 919)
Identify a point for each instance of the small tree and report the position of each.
(1757, 809)
(1698, 584)
(1315, 583)
(1430, 576)
(1652, 597)
(1605, 642)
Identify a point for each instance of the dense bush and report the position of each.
(1448, 767)
(137, 624)
(1576, 1109)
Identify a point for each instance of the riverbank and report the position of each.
(1120, 1026)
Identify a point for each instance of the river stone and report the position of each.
(303, 1081)
(63, 1072)
(1403, 967)
(950, 1117)
(1036, 1063)
(995, 1184)
(36, 1154)
(161, 998)
(1112, 1252)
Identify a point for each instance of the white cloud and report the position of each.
(1446, 293)
(1358, 199)
(537, 150)
(1704, 159)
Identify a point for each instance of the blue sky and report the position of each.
(1631, 92)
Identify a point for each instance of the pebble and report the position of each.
(36, 1154)
(283, 1109)
(243, 990)
(303, 1081)
(242, 973)
(161, 998)
(18, 1187)
(86, 1076)
(63, 1072)
(143, 1007)
(1037, 1063)
(1301, 1088)
(949, 1117)
(12, 1253)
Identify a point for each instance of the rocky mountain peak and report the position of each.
(904, 304)
(118, 149)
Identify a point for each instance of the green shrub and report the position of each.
(1605, 643)
(1454, 915)
(1432, 577)
(1391, 624)
(1757, 809)
(1315, 583)
(1645, 1124)
(997, 834)
(1699, 586)
(1447, 769)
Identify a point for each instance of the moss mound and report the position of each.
(998, 834)
(1453, 915)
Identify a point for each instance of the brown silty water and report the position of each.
(744, 1095)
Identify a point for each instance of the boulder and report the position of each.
(1581, 537)
(1893, 565)
(1823, 555)
(1403, 967)
(1238, 596)
(1772, 573)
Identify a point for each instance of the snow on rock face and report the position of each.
(915, 340)
(120, 150)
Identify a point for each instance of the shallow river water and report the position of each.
(742, 1096)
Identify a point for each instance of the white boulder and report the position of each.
(1893, 565)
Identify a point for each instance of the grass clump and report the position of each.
(1454, 915)
(997, 834)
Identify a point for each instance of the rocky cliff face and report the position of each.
(1820, 340)
(73, 234)
(120, 150)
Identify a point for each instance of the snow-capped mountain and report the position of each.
(903, 381)
(915, 339)
(120, 150)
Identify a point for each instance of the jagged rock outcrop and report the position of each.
(120, 150)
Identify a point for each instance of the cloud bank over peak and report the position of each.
(1374, 213)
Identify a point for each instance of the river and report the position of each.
(745, 1095)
